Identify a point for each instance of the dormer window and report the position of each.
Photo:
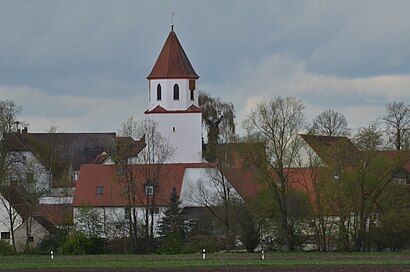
(159, 92)
(99, 190)
(149, 190)
(176, 92)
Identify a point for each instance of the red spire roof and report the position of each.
(172, 61)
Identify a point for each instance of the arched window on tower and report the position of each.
(159, 92)
(176, 92)
(192, 95)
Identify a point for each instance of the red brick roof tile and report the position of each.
(114, 193)
(172, 61)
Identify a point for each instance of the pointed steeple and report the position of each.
(172, 62)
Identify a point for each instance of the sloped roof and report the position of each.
(333, 149)
(114, 186)
(172, 62)
(68, 148)
(50, 227)
(58, 214)
(46, 214)
(159, 109)
(101, 158)
(19, 199)
(244, 181)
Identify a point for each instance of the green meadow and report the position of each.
(216, 260)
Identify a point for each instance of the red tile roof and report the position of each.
(58, 214)
(159, 109)
(114, 194)
(172, 61)
(244, 181)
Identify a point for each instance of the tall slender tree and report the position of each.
(277, 122)
(140, 170)
(9, 112)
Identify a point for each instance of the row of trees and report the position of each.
(369, 204)
(363, 196)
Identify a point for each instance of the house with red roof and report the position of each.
(173, 106)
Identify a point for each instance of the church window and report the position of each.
(159, 92)
(176, 92)
(192, 95)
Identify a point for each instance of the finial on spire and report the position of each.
(172, 21)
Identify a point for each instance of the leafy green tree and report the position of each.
(249, 228)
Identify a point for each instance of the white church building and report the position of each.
(173, 105)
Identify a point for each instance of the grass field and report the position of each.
(212, 260)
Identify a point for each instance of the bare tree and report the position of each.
(9, 173)
(142, 167)
(277, 122)
(397, 120)
(214, 192)
(330, 123)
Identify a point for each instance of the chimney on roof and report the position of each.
(25, 130)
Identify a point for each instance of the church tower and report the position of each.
(173, 101)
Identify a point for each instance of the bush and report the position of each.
(198, 242)
(79, 244)
(50, 243)
(171, 244)
(5, 248)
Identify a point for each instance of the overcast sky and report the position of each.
(82, 65)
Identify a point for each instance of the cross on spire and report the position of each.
(172, 21)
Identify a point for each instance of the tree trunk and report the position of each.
(284, 223)
(134, 230)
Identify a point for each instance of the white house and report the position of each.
(18, 216)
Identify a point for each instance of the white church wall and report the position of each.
(167, 100)
(184, 132)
